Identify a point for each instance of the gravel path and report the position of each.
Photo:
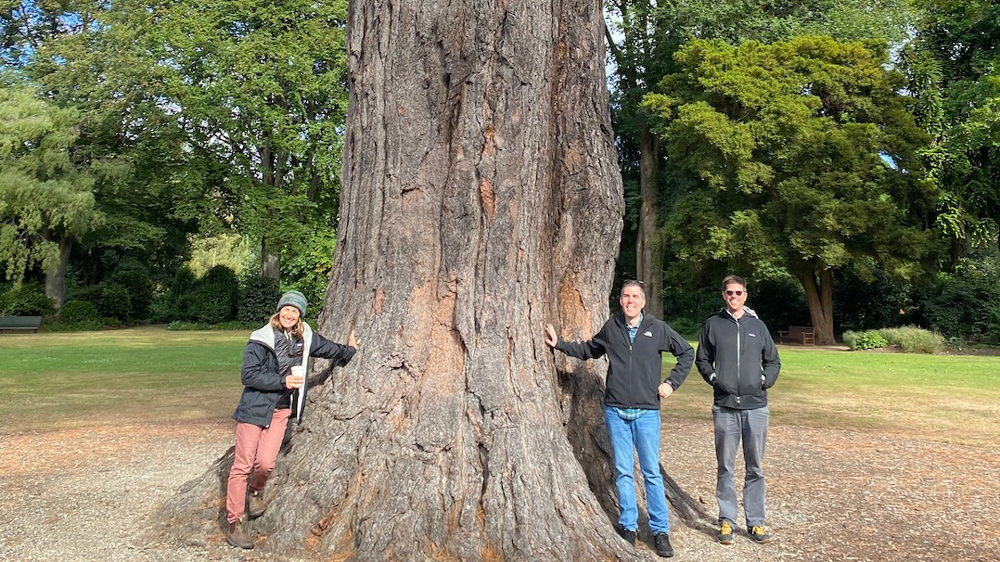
(84, 494)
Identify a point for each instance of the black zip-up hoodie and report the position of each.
(634, 367)
(739, 359)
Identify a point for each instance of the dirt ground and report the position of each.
(85, 493)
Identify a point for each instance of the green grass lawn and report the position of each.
(139, 374)
(953, 398)
(149, 374)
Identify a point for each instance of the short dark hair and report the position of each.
(730, 279)
(634, 283)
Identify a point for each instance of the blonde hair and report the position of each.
(297, 330)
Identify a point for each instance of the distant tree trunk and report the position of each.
(649, 252)
(55, 279)
(480, 199)
(270, 263)
(819, 296)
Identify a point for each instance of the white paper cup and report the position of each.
(299, 370)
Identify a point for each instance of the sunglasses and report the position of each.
(734, 293)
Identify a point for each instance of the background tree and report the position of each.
(259, 89)
(952, 69)
(46, 198)
(807, 161)
(643, 36)
(146, 187)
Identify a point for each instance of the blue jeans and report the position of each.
(643, 436)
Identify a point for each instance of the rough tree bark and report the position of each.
(818, 286)
(649, 251)
(480, 199)
(55, 279)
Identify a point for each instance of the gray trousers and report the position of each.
(730, 427)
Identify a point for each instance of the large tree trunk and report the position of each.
(649, 251)
(480, 199)
(818, 286)
(55, 279)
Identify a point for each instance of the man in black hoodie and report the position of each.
(737, 356)
(633, 343)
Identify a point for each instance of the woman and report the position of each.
(271, 395)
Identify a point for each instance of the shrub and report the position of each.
(993, 325)
(214, 297)
(26, 300)
(259, 297)
(140, 289)
(81, 326)
(78, 311)
(959, 303)
(180, 325)
(236, 325)
(113, 301)
(306, 266)
(870, 339)
(913, 340)
(686, 327)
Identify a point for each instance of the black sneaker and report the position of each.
(726, 532)
(627, 534)
(662, 543)
(759, 535)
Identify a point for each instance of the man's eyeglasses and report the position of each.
(735, 293)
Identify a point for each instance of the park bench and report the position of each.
(20, 323)
(798, 334)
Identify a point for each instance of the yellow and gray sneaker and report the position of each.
(759, 535)
(726, 532)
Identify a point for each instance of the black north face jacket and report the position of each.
(634, 367)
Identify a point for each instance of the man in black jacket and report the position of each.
(737, 356)
(633, 343)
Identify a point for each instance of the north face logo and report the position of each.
(751, 335)
(648, 334)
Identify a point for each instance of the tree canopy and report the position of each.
(45, 196)
(801, 155)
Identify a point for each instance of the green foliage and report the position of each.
(993, 324)
(308, 270)
(958, 304)
(112, 300)
(184, 326)
(870, 339)
(259, 295)
(27, 299)
(46, 196)
(78, 311)
(229, 250)
(236, 325)
(952, 69)
(801, 156)
(909, 339)
(912, 339)
(76, 316)
(214, 297)
(140, 289)
(877, 302)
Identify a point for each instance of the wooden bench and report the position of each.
(20, 323)
(798, 334)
